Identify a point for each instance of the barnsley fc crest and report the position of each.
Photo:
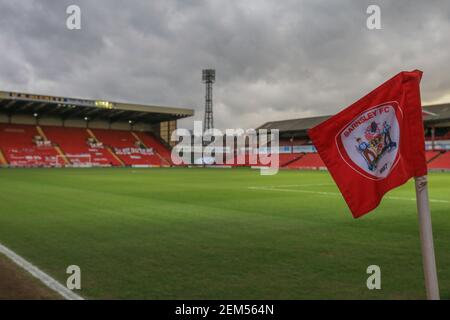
(370, 142)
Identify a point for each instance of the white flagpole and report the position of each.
(426, 239)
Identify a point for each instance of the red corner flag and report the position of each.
(376, 144)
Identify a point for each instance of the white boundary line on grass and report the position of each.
(39, 274)
(335, 193)
(296, 185)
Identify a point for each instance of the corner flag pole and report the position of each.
(426, 238)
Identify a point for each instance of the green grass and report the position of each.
(209, 234)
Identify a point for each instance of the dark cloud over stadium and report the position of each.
(274, 59)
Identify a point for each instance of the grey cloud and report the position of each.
(274, 59)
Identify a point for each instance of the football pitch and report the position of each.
(180, 233)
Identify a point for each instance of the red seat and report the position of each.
(431, 154)
(308, 161)
(441, 162)
(124, 143)
(288, 158)
(73, 141)
(160, 149)
(19, 150)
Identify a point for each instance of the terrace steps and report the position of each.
(292, 160)
(138, 139)
(159, 147)
(114, 155)
(163, 159)
(108, 148)
(442, 162)
(41, 132)
(434, 157)
(91, 134)
(62, 154)
(57, 148)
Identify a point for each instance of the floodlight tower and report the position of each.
(208, 78)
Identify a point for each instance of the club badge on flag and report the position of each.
(376, 144)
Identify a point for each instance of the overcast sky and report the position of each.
(275, 59)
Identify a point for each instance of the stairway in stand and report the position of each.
(111, 151)
(293, 158)
(57, 148)
(164, 161)
(159, 148)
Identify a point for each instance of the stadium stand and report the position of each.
(3, 161)
(440, 162)
(294, 133)
(23, 146)
(307, 161)
(35, 146)
(131, 151)
(74, 142)
(286, 159)
(46, 131)
(41, 130)
(161, 150)
(436, 160)
(431, 155)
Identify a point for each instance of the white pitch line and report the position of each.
(39, 274)
(299, 185)
(337, 194)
